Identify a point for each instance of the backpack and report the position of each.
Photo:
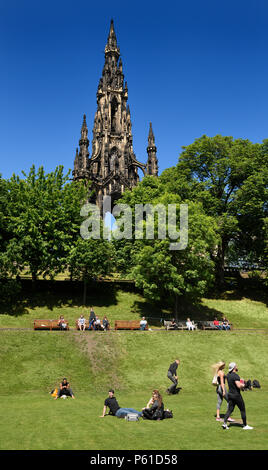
(167, 414)
(248, 385)
(256, 384)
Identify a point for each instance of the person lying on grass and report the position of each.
(115, 409)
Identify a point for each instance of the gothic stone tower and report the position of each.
(113, 166)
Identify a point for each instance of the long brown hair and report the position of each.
(157, 396)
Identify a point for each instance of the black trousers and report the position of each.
(67, 391)
(236, 400)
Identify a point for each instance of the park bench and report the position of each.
(209, 325)
(181, 325)
(128, 325)
(48, 325)
(87, 325)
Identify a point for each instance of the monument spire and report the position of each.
(152, 162)
(113, 166)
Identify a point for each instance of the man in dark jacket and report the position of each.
(172, 375)
(92, 318)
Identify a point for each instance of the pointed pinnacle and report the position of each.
(151, 135)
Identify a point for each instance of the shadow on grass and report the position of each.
(238, 288)
(56, 294)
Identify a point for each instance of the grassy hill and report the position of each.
(134, 363)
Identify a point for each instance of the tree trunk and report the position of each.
(220, 263)
(85, 292)
(176, 306)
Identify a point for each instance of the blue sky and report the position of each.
(192, 68)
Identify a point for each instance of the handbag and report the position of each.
(215, 380)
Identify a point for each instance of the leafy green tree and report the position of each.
(43, 219)
(221, 172)
(160, 272)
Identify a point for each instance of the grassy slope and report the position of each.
(31, 419)
(119, 305)
(134, 363)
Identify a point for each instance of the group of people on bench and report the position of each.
(94, 322)
(189, 324)
(222, 325)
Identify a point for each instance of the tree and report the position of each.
(160, 272)
(220, 172)
(43, 212)
(89, 259)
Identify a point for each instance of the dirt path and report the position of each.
(104, 356)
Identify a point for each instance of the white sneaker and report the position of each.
(224, 426)
(247, 427)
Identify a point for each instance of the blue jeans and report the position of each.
(122, 412)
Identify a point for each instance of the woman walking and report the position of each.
(221, 389)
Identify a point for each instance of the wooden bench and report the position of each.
(48, 325)
(87, 325)
(128, 325)
(209, 325)
(181, 325)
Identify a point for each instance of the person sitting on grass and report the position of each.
(64, 389)
(155, 407)
(115, 409)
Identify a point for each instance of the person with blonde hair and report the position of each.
(221, 389)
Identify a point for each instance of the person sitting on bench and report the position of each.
(105, 323)
(97, 324)
(82, 323)
(173, 324)
(64, 389)
(190, 325)
(62, 323)
(225, 324)
(143, 323)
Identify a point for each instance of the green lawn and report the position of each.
(134, 363)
